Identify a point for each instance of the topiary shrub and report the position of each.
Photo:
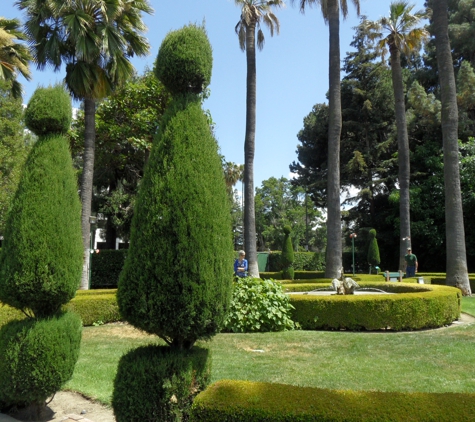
(287, 257)
(49, 111)
(177, 277)
(41, 262)
(38, 357)
(259, 305)
(373, 250)
(185, 60)
(157, 383)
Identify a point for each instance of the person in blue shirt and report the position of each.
(240, 265)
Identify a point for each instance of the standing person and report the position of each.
(411, 263)
(240, 265)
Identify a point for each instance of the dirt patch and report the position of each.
(68, 406)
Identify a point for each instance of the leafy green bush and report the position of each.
(303, 261)
(258, 305)
(49, 111)
(185, 60)
(38, 357)
(242, 401)
(287, 256)
(157, 383)
(106, 267)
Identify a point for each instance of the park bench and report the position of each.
(394, 276)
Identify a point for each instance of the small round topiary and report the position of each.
(49, 111)
(185, 60)
(37, 357)
(159, 381)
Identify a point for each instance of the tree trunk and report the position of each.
(249, 147)
(403, 157)
(457, 273)
(334, 241)
(86, 185)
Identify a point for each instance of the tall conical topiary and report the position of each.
(41, 261)
(177, 278)
(176, 281)
(373, 250)
(287, 257)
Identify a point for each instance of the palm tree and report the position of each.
(233, 173)
(457, 274)
(95, 39)
(253, 12)
(331, 15)
(403, 36)
(14, 57)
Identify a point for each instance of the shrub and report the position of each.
(287, 256)
(106, 267)
(259, 305)
(41, 257)
(303, 261)
(38, 357)
(177, 278)
(373, 249)
(184, 60)
(49, 111)
(158, 383)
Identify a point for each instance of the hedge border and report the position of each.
(239, 401)
(415, 307)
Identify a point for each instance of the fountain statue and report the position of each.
(346, 286)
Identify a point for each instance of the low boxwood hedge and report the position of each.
(242, 401)
(414, 307)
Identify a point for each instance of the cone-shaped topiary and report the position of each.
(287, 257)
(177, 278)
(49, 111)
(185, 60)
(373, 249)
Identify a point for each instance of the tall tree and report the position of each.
(253, 12)
(403, 35)
(457, 273)
(14, 56)
(95, 39)
(331, 14)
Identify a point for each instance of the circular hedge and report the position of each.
(414, 307)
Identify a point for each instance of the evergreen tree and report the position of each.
(287, 257)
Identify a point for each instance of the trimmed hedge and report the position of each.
(106, 267)
(414, 308)
(298, 275)
(242, 401)
(303, 261)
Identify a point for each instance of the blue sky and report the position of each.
(292, 72)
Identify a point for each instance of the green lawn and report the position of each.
(439, 360)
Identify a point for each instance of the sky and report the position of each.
(292, 71)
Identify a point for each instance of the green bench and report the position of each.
(393, 276)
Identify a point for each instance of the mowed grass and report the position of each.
(441, 360)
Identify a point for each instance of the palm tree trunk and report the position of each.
(457, 273)
(86, 185)
(334, 241)
(249, 147)
(403, 156)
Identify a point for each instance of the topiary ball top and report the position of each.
(287, 229)
(49, 111)
(185, 60)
